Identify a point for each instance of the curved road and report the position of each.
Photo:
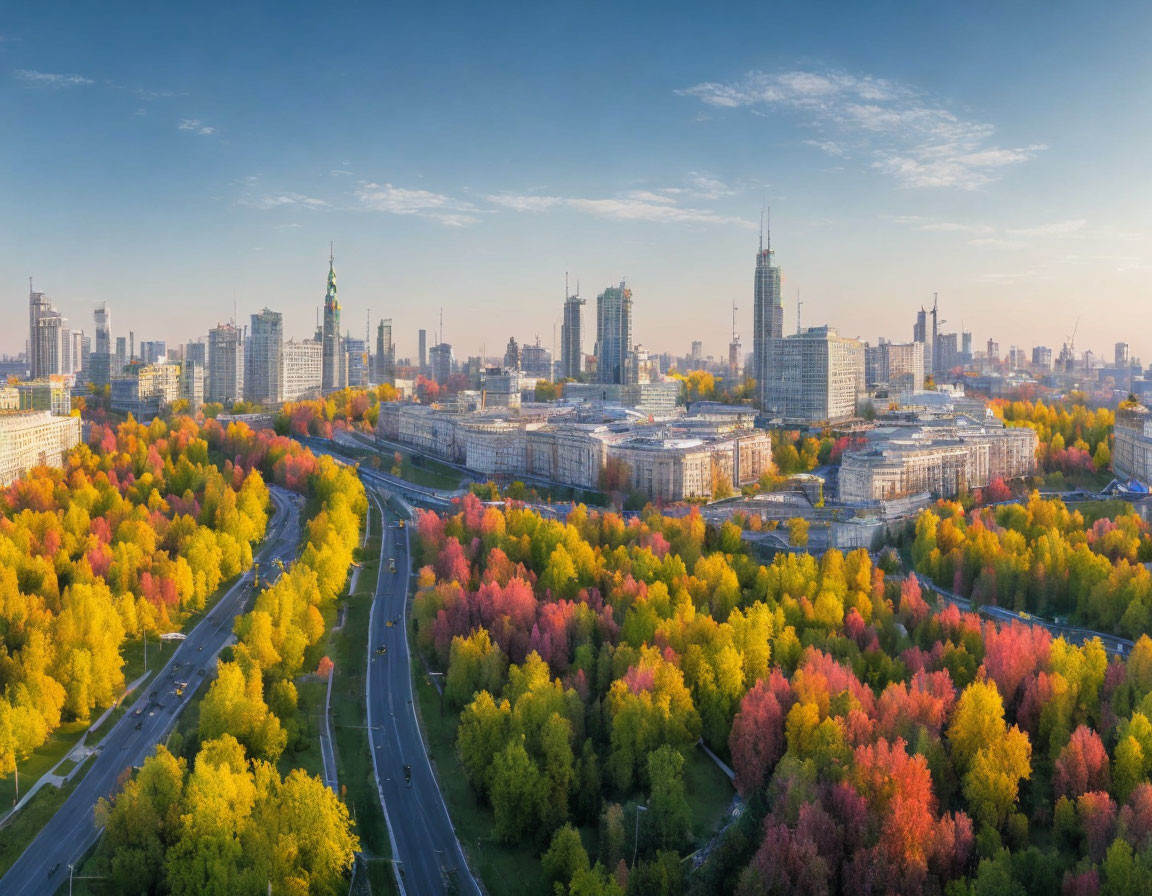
(43, 867)
(424, 843)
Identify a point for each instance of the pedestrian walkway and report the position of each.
(77, 755)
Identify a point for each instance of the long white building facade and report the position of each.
(36, 438)
(941, 461)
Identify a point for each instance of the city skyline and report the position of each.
(227, 185)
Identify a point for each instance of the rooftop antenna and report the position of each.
(441, 324)
(761, 227)
(331, 254)
(734, 337)
(798, 304)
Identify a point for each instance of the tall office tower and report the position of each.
(442, 362)
(900, 365)
(81, 351)
(1017, 360)
(1042, 358)
(45, 336)
(920, 334)
(966, 347)
(153, 351)
(572, 339)
(821, 376)
(613, 334)
(994, 351)
(355, 371)
(103, 318)
(422, 336)
(697, 350)
(947, 354)
(192, 384)
(302, 362)
(132, 356)
(264, 357)
(333, 364)
(67, 362)
(536, 360)
(99, 369)
(512, 355)
(768, 320)
(121, 358)
(198, 352)
(385, 353)
(1121, 354)
(225, 364)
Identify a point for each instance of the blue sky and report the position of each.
(173, 161)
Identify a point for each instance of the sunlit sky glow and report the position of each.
(172, 160)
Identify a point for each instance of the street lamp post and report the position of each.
(636, 836)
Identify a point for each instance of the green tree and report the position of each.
(668, 803)
(566, 856)
(515, 793)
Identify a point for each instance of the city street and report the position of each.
(424, 843)
(44, 865)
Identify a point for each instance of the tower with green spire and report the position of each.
(331, 366)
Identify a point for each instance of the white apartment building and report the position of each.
(303, 367)
(225, 364)
(685, 459)
(819, 377)
(34, 438)
(1132, 447)
(942, 461)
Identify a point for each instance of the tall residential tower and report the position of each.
(331, 364)
(768, 322)
(572, 338)
(614, 335)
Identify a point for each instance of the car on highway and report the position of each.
(139, 725)
(139, 711)
(382, 650)
(391, 564)
(408, 775)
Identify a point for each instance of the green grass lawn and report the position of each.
(709, 794)
(348, 649)
(503, 868)
(57, 746)
(22, 830)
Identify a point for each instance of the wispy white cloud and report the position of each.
(906, 135)
(1054, 228)
(283, 200)
(48, 79)
(422, 203)
(831, 147)
(195, 126)
(633, 205)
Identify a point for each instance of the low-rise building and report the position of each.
(689, 457)
(146, 391)
(940, 459)
(34, 438)
(1132, 446)
(50, 393)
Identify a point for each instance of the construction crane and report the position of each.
(1072, 338)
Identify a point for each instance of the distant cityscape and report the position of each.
(562, 419)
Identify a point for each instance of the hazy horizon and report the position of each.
(175, 163)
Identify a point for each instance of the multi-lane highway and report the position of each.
(1113, 644)
(43, 867)
(424, 844)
